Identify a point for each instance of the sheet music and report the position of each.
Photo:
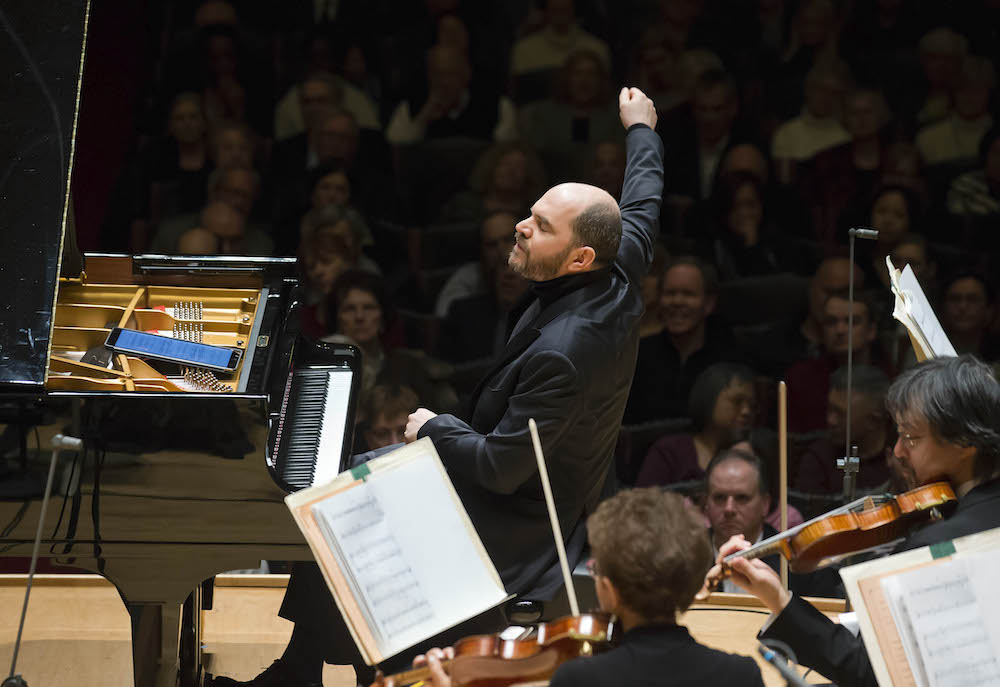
(407, 553)
(943, 613)
(915, 312)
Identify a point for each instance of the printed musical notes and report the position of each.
(398, 550)
(942, 613)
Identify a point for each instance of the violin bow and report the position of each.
(783, 469)
(574, 606)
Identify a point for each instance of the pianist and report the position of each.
(568, 363)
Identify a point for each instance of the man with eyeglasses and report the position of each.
(948, 414)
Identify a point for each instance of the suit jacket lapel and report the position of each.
(527, 329)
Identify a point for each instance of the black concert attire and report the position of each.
(568, 364)
(660, 654)
(833, 650)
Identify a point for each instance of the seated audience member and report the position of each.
(453, 105)
(812, 37)
(721, 408)
(383, 416)
(948, 414)
(975, 196)
(648, 549)
(818, 127)
(330, 245)
(871, 431)
(476, 327)
(496, 239)
(607, 167)
(198, 241)
(670, 361)
(894, 212)
(737, 502)
(565, 127)
(173, 170)
(237, 188)
(326, 185)
(845, 177)
(232, 146)
(942, 52)
(537, 56)
(507, 177)
(698, 146)
(809, 380)
(797, 340)
(745, 244)
(360, 314)
(229, 88)
(322, 88)
(967, 311)
(955, 140)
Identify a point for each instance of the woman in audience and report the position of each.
(360, 314)
(744, 245)
(175, 168)
(894, 213)
(721, 407)
(507, 177)
(330, 245)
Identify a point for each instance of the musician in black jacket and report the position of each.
(568, 364)
(948, 412)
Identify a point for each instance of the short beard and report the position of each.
(540, 269)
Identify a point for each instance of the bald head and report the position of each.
(572, 228)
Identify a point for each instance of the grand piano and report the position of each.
(183, 472)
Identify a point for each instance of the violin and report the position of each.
(858, 526)
(490, 661)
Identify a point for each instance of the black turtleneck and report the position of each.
(549, 291)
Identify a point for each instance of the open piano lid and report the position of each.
(41, 50)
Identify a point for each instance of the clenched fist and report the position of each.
(635, 107)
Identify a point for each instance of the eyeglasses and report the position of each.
(592, 567)
(909, 439)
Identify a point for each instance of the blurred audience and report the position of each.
(955, 139)
(507, 177)
(670, 361)
(872, 430)
(721, 408)
(967, 311)
(454, 105)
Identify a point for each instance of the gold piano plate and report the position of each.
(86, 313)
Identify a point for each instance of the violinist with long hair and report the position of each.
(948, 414)
(649, 555)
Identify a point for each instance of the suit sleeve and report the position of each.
(549, 391)
(642, 193)
(822, 644)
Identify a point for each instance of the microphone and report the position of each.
(781, 665)
(863, 233)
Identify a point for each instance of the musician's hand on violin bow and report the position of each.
(753, 575)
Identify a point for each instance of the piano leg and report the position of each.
(166, 643)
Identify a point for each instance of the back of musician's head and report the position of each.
(653, 548)
(960, 400)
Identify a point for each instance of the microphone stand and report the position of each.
(59, 442)
(850, 463)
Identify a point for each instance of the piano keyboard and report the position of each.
(311, 425)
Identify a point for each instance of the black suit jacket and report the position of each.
(829, 648)
(659, 655)
(569, 366)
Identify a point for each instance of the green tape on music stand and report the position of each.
(942, 549)
(361, 471)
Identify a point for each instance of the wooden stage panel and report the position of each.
(77, 631)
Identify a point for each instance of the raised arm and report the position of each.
(642, 191)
